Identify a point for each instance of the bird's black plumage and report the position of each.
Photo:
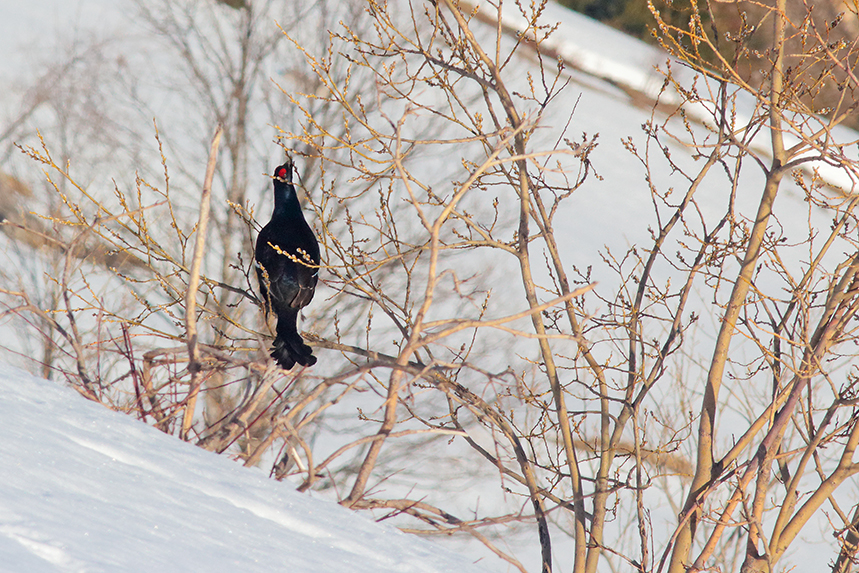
(287, 278)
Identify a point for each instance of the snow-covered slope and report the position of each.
(86, 489)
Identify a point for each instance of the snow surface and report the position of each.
(593, 47)
(88, 489)
(85, 489)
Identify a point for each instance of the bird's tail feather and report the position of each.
(289, 348)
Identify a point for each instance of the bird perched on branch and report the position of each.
(287, 264)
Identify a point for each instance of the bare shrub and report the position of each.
(694, 410)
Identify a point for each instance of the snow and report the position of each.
(590, 46)
(88, 489)
(601, 52)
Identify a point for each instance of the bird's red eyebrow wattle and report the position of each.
(281, 173)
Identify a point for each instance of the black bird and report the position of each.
(287, 279)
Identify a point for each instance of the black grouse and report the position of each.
(287, 263)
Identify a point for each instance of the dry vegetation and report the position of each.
(460, 336)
